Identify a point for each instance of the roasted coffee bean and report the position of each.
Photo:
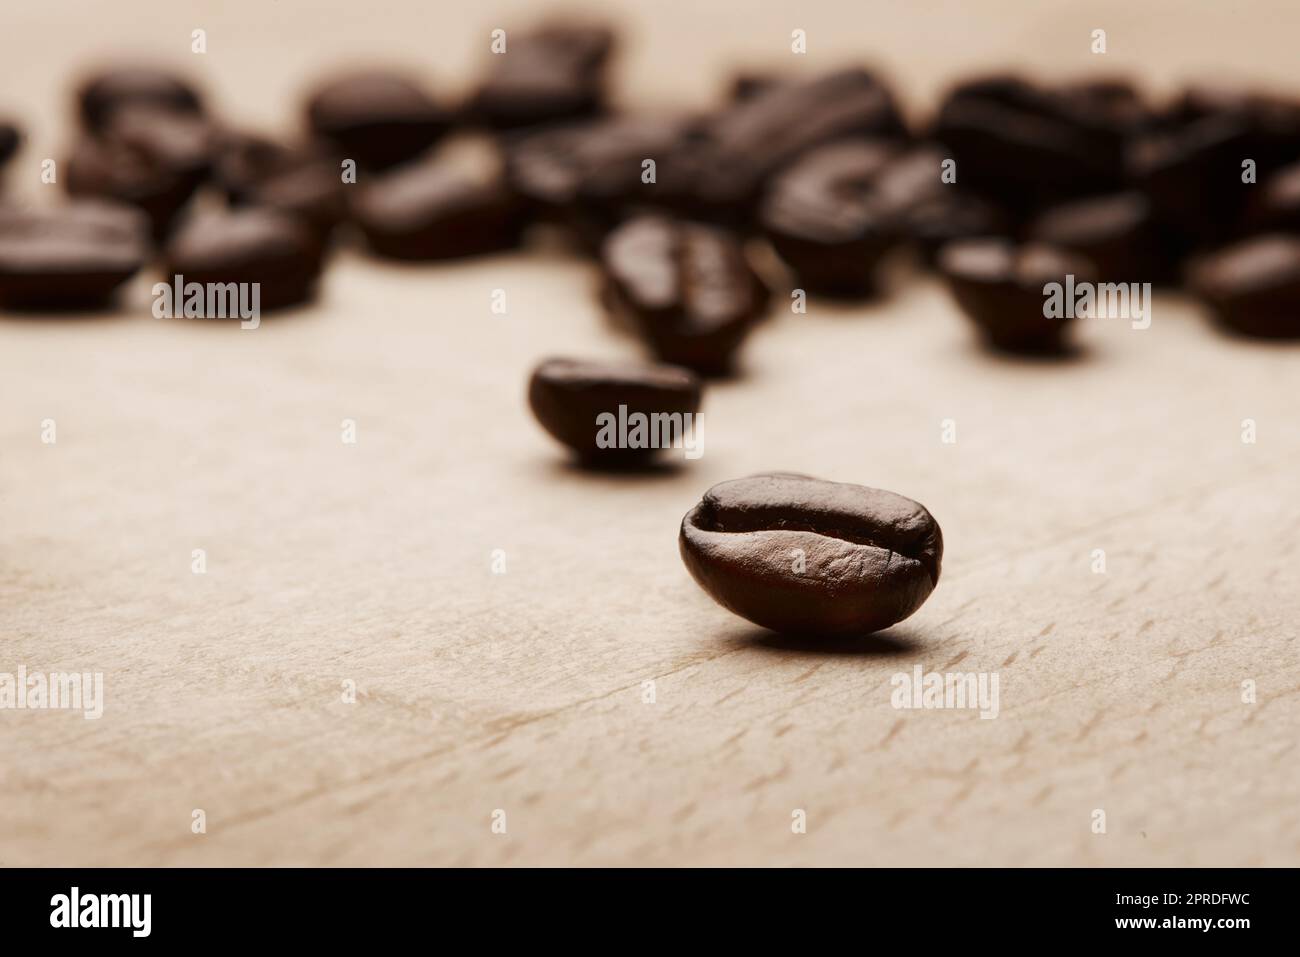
(10, 139)
(744, 145)
(926, 210)
(824, 220)
(1271, 123)
(1192, 176)
(377, 118)
(70, 257)
(555, 73)
(255, 171)
(1276, 204)
(589, 175)
(103, 95)
(1000, 286)
(147, 157)
(569, 396)
(1254, 285)
(747, 83)
(812, 558)
(1112, 101)
(687, 287)
(248, 246)
(1116, 232)
(436, 210)
(1026, 146)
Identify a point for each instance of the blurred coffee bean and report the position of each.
(436, 210)
(73, 256)
(747, 83)
(1192, 176)
(568, 396)
(10, 139)
(256, 171)
(378, 118)
(103, 94)
(129, 170)
(1000, 286)
(554, 73)
(1116, 232)
(1111, 101)
(247, 246)
(742, 147)
(929, 212)
(588, 175)
(1275, 205)
(1271, 122)
(687, 287)
(1253, 286)
(824, 221)
(1026, 146)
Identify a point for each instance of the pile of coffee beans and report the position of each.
(1009, 185)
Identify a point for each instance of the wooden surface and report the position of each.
(525, 691)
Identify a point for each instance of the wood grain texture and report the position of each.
(525, 691)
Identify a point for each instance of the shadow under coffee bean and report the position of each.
(804, 556)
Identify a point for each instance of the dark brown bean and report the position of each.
(1116, 232)
(377, 117)
(747, 143)
(302, 182)
(555, 73)
(248, 246)
(1000, 286)
(1253, 286)
(436, 210)
(824, 219)
(686, 286)
(568, 396)
(101, 96)
(589, 175)
(73, 256)
(1275, 207)
(1027, 146)
(812, 558)
(10, 139)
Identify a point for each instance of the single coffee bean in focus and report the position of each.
(812, 558)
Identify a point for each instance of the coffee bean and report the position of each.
(436, 210)
(1027, 146)
(1116, 232)
(686, 286)
(1276, 205)
(555, 73)
(103, 94)
(150, 158)
(812, 558)
(248, 246)
(1254, 285)
(1000, 286)
(10, 139)
(1112, 101)
(823, 219)
(256, 171)
(1271, 123)
(1201, 159)
(74, 256)
(589, 175)
(747, 143)
(568, 395)
(377, 118)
